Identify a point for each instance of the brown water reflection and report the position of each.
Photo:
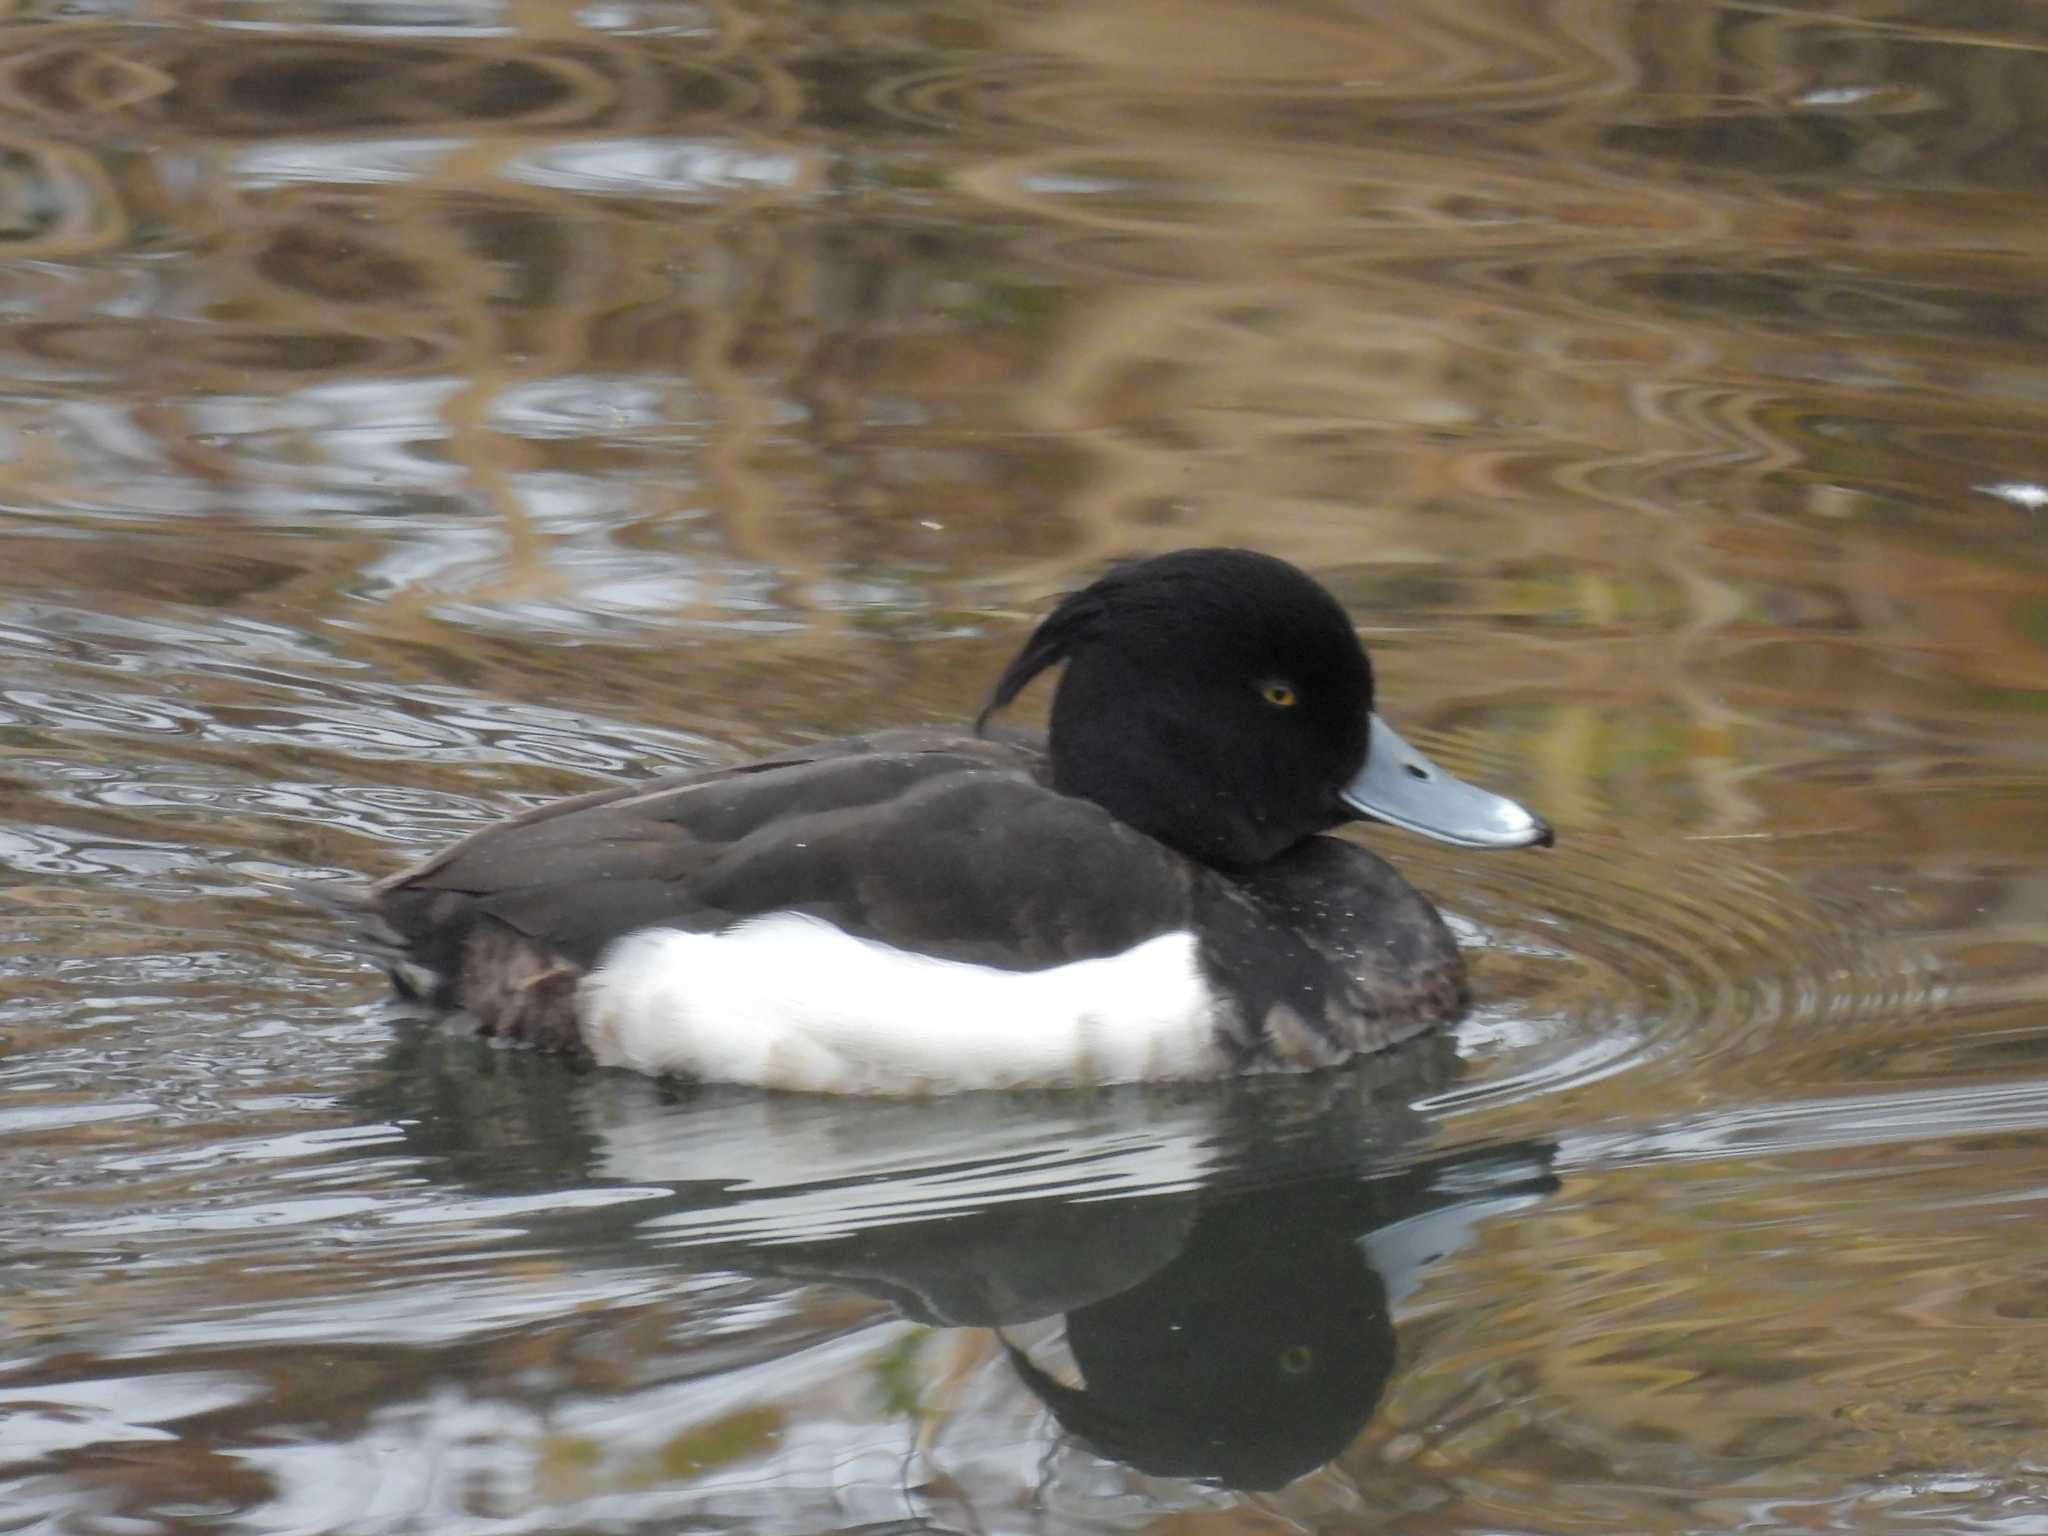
(415, 410)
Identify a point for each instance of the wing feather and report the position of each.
(947, 846)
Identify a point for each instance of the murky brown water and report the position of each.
(415, 410)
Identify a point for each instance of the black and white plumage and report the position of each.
(1147, 896)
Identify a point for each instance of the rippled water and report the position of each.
(415, 411)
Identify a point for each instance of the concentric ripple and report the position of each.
(1677, 961)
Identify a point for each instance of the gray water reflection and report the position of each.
(415, 412)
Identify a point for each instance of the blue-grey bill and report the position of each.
(1401, 787)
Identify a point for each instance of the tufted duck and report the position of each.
(1147, 895)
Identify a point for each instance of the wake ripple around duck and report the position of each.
(1680, 968)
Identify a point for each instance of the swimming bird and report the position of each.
(1149, 893)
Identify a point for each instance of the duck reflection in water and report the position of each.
(1260, 1351)
(1226, 1260)
(1242, 1334)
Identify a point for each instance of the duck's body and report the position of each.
(918, 911)
(753, 924)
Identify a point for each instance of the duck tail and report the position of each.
(443, 954)
(370, 933)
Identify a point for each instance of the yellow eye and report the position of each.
(1279, 695)
(1297, 1358)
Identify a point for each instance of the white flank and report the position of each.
(788, 1001)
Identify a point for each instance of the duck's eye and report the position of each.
(1279, 695)
(1296, 1359)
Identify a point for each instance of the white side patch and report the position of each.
(792, 1002)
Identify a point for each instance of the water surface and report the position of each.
(417, 411)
